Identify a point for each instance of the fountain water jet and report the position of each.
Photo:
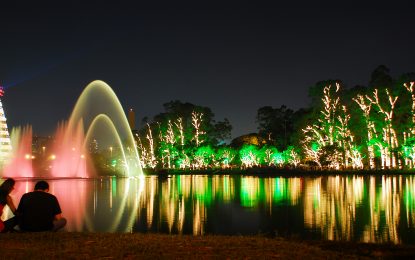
(97, 103)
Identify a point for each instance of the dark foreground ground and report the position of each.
(149, 246)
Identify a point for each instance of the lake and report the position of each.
(351, 208)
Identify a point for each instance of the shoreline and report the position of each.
(254, 172)
(276, 172)
(137, 245)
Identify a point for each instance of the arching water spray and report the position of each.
(107, 121)
(99, 102)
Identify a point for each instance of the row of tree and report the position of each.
(361, 127)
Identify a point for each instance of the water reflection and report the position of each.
(369, 209)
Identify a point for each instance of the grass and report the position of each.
(67, 245)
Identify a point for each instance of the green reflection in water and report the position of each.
(410, 193)
(226, 188)
(179, 185)
(280, 190)
(114, 185)
(410, 201)
(249, 190)
(203, 189)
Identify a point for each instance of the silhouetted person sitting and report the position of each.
(5, 189)
(39, 210)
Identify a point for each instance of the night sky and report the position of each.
(231, 58)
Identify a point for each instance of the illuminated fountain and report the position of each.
(100, 111)
(97, 115)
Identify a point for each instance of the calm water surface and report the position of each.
(369, 209)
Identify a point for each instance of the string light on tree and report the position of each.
(196, 122)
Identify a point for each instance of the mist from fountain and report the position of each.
(69, 158)
(19, 163)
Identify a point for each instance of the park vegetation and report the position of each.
(363, 127)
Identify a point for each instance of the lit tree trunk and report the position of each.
(161, 139)
(389, 134)
(152, 157)
(329, 112)
(196, 122)
(170, 140)
(411, 88)
(346, 138)
(179, 125)
(143, 155)
(366, 107)
(268, 154)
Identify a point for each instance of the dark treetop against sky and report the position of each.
(231, 58)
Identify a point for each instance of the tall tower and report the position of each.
(131, 118)
(5, 145)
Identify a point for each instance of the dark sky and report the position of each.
(231, 58)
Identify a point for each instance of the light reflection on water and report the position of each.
(369, 209)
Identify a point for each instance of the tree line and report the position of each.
(371, 127)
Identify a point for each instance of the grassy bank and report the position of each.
(134, 246)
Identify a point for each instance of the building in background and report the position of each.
(131, 119)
